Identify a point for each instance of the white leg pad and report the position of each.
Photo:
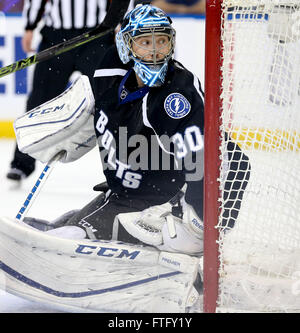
(93, 276)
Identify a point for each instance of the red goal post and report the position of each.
(212, 162)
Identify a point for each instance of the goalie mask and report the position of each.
(147, 38)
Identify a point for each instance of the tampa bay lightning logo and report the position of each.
(177, 106)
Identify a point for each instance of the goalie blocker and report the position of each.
(63, 124)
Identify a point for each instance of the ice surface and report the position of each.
(70, 186)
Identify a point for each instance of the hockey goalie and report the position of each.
(137, 246)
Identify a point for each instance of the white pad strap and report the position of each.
(147, 224)
(157, 226)
(63, 124)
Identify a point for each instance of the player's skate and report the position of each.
(14, 178)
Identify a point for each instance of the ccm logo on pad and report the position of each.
(106, 251)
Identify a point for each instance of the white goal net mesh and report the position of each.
(260, 244)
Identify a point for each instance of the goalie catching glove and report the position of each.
(63, 124)
(157, 226)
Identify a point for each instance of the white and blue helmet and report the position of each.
(146, 20)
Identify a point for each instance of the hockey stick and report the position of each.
(116, 12)
(38, 185)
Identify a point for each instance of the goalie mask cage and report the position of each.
(252, 93)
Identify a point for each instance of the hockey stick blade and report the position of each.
(113, 17)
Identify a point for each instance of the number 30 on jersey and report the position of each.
(190, 141)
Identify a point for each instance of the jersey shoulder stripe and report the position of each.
(110, 72)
